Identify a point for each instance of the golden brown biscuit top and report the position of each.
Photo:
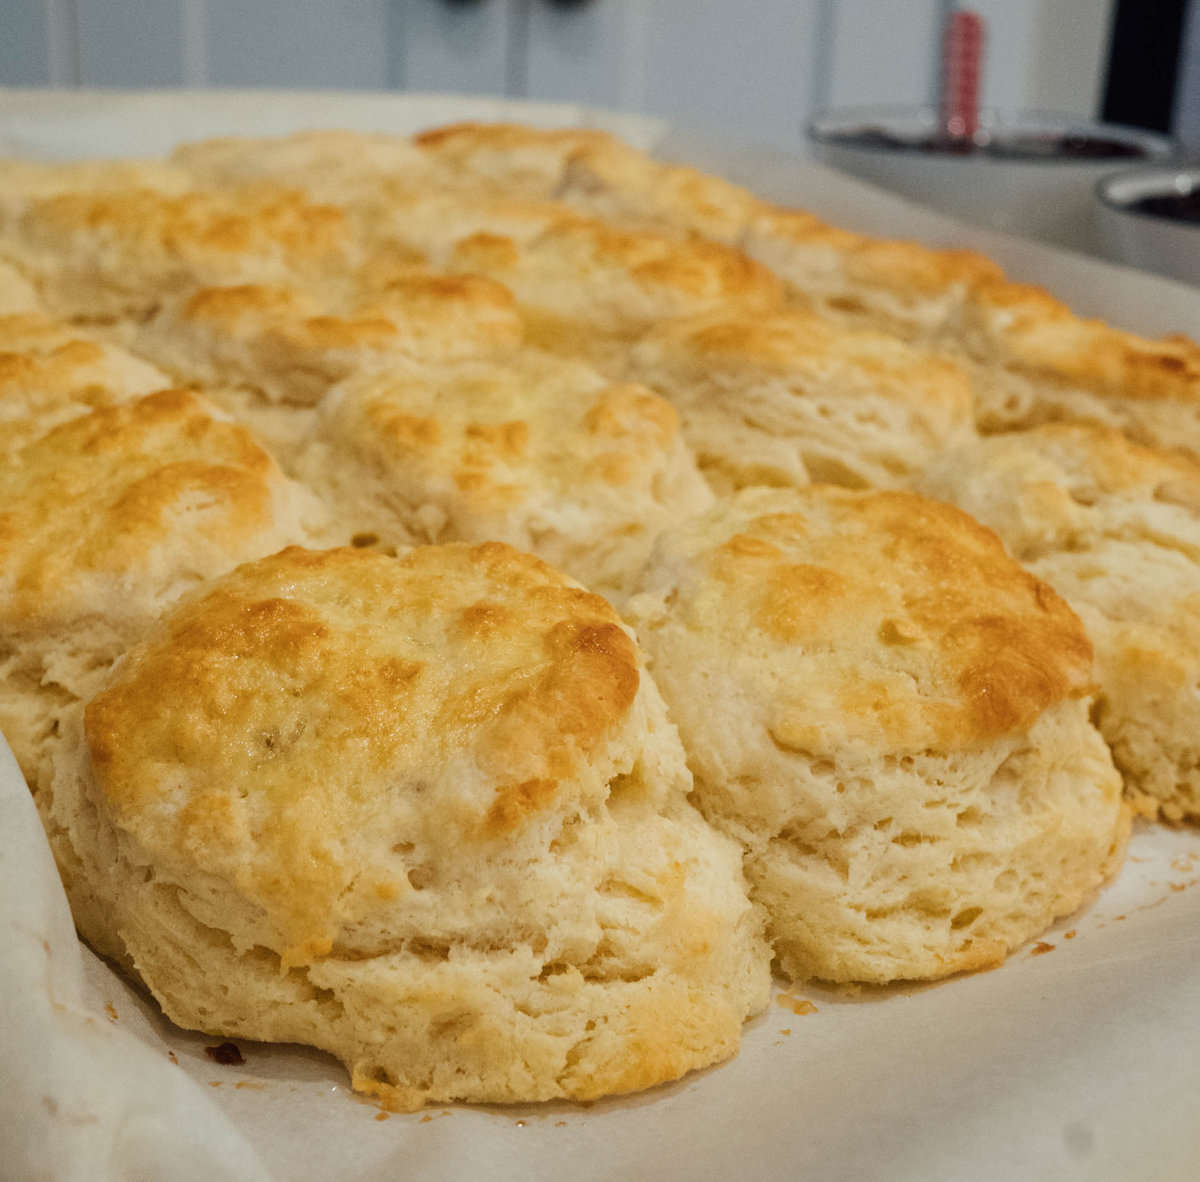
(877, 618)
(918, 269)
(23, 181)
(1101, 461)
(469, 136)
(443, 316)
(409, 309)
(17, 296)
(1028, 329)
(801, 228)
(557, 259)
(533, 433)
(612, 181)
(1066, 486)
(50, 371)
(211, 227)
(238, 303)
(593, 171)
(907, 271)
(519, 159)
(584, 269)
(405, 225)
(309, 717)
(252, 309)
(106, 512)
(742, 348)
(321, 160)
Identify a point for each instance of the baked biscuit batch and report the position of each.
(478, 603)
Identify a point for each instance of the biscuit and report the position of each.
(17, 296)
(781, 398)
(584, 286)
(594, 172)
(107, 517)
(426, 813)
(904, 747)
(510, 157)
(610, 180)
(328, 165)
(1036, 362)
(268, 353)
(290, 345)
(51, 372)
(1032, 360)
(25, 181)
(903, 287)
(900, 286)
(1115, 529)
(588, 289)
(541, 453)
(106, 255)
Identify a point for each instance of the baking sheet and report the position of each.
(1077, 1059)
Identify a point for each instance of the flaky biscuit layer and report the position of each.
(782, 398)
(904, 748)
(528, 449)
(426, 813)
(107, 517)
(1115, 528)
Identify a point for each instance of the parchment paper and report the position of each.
(1078, 1059)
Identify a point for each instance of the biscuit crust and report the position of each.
(110, 254)
(107, 517)
(290, 344)
(781, 398)
(529, 449)
(425, 807)
(1115, 528)
(51, 372)
(904, 749)
(94, 509)
(425, 812)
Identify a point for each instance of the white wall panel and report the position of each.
(734, 68)
(590, 54)
(756, 69)
(130, 42)
(298, 43)
(1008, 71)
(1047, 54)
(467, 48)
(1070, 56)
(24, 43)
(884, 52)
(63, 42)
(714, 65)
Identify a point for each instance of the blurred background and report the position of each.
(754, 67)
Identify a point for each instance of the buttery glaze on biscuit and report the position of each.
(1036, 362)
(780, 398)
(618, 279)
(291, 344)
(904, 747)
(1032, 359)
(51, 372)
(89, 508)
(107, 517)
(425, 812)
(100, 255)
(1115, 527)
(528, 449)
